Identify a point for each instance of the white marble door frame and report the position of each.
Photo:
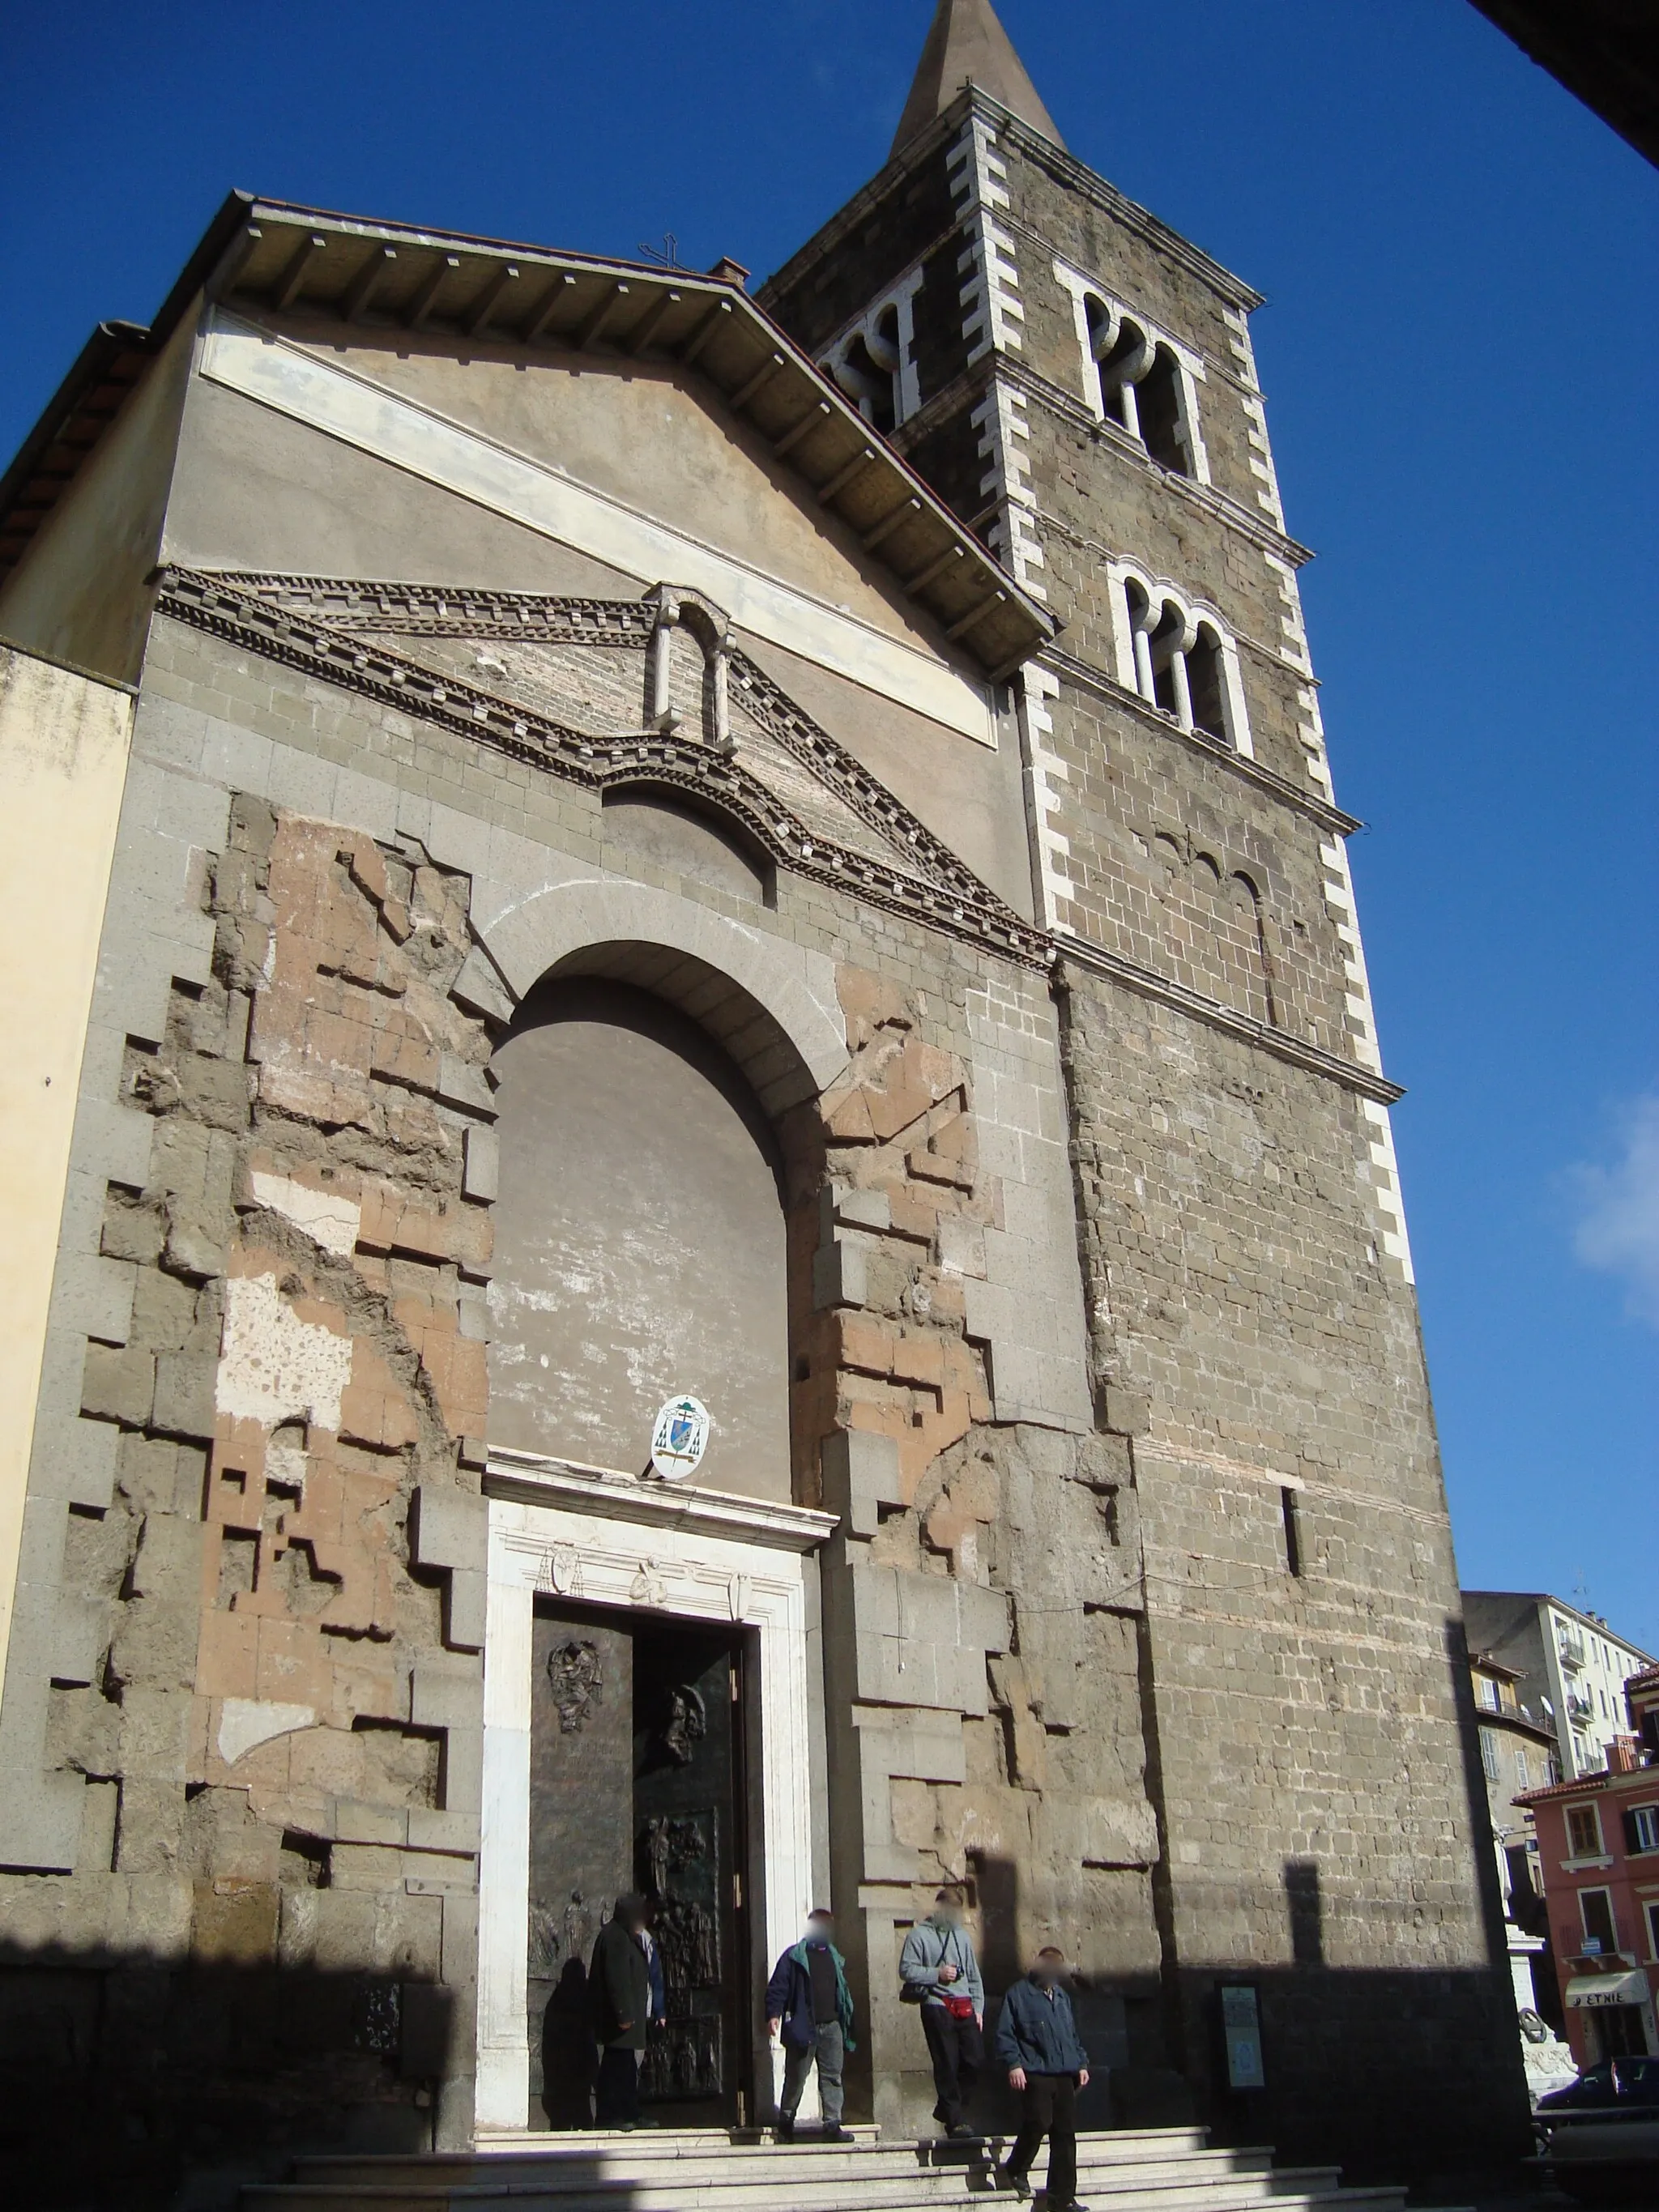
(602, 1538)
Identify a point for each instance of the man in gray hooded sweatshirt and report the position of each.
(939, 1972)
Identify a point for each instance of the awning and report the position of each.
(1607, 1988)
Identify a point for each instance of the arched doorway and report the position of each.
(641, 1252)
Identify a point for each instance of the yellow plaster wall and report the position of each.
(63, 742)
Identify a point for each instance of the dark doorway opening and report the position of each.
(1620, 2032)
(636, 1782)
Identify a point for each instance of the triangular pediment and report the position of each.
(587, 690)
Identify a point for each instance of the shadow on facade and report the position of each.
(136, 2080)
(1406, 2076)
(1394, 2074)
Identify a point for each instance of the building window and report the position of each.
(1287, 1507)
(1138, 377)
(1486, 1690)
(1595, 1910)
(1178, 658)
(873, 360)
(1489, 1754)
(1522, 1769)
(1583, 1832)
(1653, 1931)
(1642, 1828)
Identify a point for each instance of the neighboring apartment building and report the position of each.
(1517, 1753)
(1570, 1668)
(1598, 1851)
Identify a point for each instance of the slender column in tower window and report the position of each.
(1122, 353)
(1142, 619)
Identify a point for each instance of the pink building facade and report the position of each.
(1598, 1839)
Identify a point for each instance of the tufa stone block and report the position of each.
(861, 1475)
(1125, 1412)
(840, 1277)
(117, 1385)
(448, 1527)
(481, 1170)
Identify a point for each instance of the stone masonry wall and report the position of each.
(282, 1749)
(982, 1596)
(1322, 1837)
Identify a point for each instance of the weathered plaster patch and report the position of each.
(327, 1216)
(276, 1367)
(245, 1723)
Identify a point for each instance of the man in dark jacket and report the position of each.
(810, 2008)
(619, 1985)
(1036, 2039)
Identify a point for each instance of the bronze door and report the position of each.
(636, 1782)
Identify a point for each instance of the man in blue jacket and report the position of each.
(808, 2006)
(1036, 2039)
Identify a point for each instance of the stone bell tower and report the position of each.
(1077, 381)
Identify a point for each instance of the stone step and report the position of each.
(714, 2169)
(1124, 2193)
(947, 2166)
(672, 2142)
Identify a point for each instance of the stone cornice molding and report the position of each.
(1219, 505)
(965, 390)
(262, 614)
(1146, 984)
(608, 1494)
(1106, 687)
(316, 625)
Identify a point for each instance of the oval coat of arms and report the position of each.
(680, 1438)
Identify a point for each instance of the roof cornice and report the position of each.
(378, 275)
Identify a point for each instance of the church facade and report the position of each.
(612, 840)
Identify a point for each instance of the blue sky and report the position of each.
(1461, 358)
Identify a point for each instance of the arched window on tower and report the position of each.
(1140, 379)
(1124, 354)
(867, 369)
(1158, 401)
(1206, 682)
(1180, 661)
(872, 361)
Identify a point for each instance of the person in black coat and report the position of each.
(619, 1983)
(1037, 2041)
(809, 2008)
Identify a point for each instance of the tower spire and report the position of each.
(966, 45)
